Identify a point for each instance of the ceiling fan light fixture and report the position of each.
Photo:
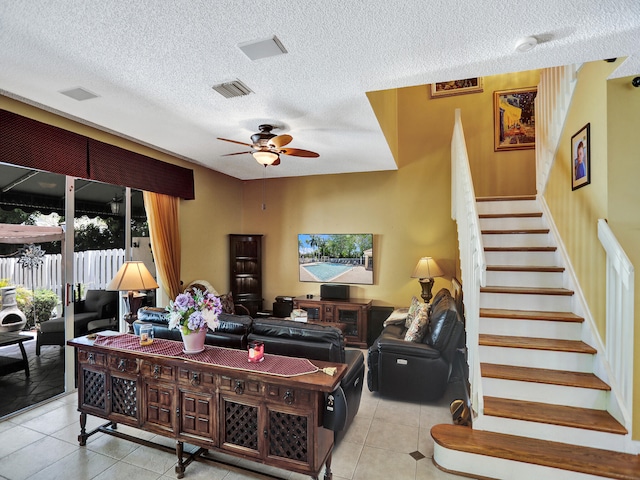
(265, 158)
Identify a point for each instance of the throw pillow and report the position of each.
(227, 303)
(397, 317)
(418, 327)
(413, 307)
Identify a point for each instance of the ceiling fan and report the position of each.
(267, 147)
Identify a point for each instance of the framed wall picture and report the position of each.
(581, 158)
(514, 119)
(456, 87)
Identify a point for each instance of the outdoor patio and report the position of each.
(46, 380)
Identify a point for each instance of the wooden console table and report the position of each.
(268, 418)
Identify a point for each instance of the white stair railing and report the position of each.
(620, 315)
(472, 262)
(551, 105)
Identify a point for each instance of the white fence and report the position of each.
(92, 268)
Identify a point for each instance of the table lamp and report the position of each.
(132, 277)
(425, 270)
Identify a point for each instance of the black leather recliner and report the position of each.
(417, 371)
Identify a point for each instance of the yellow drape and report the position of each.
(164, 230)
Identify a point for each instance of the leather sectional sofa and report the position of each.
(288, 338)
(417, 371)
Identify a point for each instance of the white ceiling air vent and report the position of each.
(232, 89)
(258, 49)
(79, 94)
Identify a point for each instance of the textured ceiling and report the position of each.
(153, 64)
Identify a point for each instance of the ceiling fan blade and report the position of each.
(235, 141)
(277, 162)
(298, 152)
(281, 140)
(237, 153)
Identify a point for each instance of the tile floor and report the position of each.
(41, 443)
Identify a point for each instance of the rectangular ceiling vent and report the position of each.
(79, 94)
(232, 89)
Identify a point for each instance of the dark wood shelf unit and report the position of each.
(245, 271)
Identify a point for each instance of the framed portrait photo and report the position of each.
(456, 87)
(514, 119)
(581, 158)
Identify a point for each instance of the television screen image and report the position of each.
(338, 258)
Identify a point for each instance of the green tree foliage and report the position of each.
(44, 301)
(339, 246)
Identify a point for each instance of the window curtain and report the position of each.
(164, 230)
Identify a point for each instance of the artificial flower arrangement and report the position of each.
(194, 311)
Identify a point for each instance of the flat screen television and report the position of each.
(336, 258)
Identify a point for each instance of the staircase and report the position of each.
(545, 412)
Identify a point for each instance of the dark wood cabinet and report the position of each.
(245, 269)
(270, 419)
(354, 313)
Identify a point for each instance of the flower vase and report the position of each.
(194, 341)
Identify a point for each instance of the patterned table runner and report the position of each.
(223, 357)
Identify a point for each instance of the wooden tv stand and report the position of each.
(354, 313)
(265, 418)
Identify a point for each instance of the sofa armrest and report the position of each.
(401, 347)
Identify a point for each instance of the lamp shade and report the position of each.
(132, 276)
(427, 268)
(265, 158)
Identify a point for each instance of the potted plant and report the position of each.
(193, 312)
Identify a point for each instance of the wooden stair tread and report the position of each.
(505, 199)
(511, 215)
(543, 375)
(527, 290)
(598, 462)
(551, 344)
(523, 268)
(514, 231)
(531, 315)
(520, 249)
(563, 415)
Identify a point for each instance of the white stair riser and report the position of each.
(484, 466)
(511, 223)
(525, 279)
(545, 393)
(554, 433)
(526, 357)
(531, 328)
(544, 259)
(510, 206)
(516, 240)
(517, 301)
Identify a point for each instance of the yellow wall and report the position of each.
(407, 210)
(576, 212)
(494, 173)
(623, 101)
